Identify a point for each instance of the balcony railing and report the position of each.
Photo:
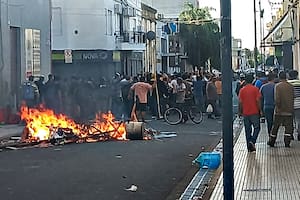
(130, 40)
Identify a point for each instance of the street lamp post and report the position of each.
(227, 113)
(255, 37)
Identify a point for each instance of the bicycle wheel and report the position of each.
(196, 114)
(173, 116)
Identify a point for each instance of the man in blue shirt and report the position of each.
(267, 92)
(198, 87)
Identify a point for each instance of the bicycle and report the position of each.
(179, 114)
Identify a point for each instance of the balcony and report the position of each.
(130, 41)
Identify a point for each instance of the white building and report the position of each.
(282, 39)
(171, 8)
(236, 53)
(97, 38)
(24, 45)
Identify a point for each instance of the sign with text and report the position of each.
(68, 56)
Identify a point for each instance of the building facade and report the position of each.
(282, 41)
(25, 47)
(236, 53)
(97, 38)
(171, 8)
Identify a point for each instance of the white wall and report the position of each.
(88, 18)
(20, 14)
(29, 14)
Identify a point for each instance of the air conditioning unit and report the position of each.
(118, 8)
(159, 16)
(139, 28)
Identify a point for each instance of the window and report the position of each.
(164, 46)
(56, 21)
(109, 24)
(33, 51)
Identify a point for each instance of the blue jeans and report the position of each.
(269, 114)
(251, 134)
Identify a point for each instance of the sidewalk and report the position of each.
(7, 131)
(270, 173)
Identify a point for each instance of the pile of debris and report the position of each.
(44, 128)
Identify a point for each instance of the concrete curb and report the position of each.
(7, 131)
(199, 184)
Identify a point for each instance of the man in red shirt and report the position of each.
(249, 107)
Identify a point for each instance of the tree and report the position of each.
(201, 36)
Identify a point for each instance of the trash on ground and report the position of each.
(12, 148)
(118, 156)
(208, 160)
(165, 136)
(133, 188)
(15, 138)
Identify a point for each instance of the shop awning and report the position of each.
(282, 21)
(278, 25)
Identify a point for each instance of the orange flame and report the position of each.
(41, 123)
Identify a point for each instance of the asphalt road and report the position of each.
(102, 171)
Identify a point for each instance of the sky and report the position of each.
(242, 16)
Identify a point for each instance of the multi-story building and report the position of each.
(283, 37)
(171, 8)
(236, 53)
(24, 45)
(97, 38)
(170, 51)
(149, 27)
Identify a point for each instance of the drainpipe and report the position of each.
(1, 42)
(1, 55)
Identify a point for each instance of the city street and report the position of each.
(161, 169)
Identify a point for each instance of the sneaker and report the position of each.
(252, 147)
(287, 145)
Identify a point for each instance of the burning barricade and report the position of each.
(44, 128)
(44, 125)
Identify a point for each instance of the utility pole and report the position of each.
(227, 113)
(262, 44)
(255, 37)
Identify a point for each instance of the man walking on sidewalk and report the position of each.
(284, 109)
(267, 92)
(249, 107)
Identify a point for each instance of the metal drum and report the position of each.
(135, 130)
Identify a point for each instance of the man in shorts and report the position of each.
(141, 90)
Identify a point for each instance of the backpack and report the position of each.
(28, 91)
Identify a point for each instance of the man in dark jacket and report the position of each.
(284, 109)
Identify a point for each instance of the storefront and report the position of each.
(94, 64)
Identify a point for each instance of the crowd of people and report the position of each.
(273, 96)
(127, 97)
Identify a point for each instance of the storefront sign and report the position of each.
(68, 56)
(94, 56)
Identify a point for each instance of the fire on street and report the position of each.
(160, 169)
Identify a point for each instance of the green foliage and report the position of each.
(201, 36)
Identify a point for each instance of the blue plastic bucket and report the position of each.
(210, 160)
